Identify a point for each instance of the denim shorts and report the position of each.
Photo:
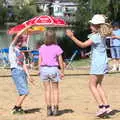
(20, 80)
(50, 74)
(115, 52)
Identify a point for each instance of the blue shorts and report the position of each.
(50, 74)
(20, 80)
(115, 52)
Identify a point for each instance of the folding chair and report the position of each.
(69, 61)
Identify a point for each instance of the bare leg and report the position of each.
(93, 83)
(20, 100)
(55, 89)
(100, 90)
(47, 88)
(102, 93)
(93, 87)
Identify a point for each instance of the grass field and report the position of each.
(81, 62)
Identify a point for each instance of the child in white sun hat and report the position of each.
(99, 63)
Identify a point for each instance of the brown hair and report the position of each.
(50, 37)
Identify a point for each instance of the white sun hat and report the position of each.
(98, 19)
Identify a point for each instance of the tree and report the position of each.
(25, 13)
(24, 10)
(87, 8)
(100, 6)
(21, 11)
(114, 10)
(22, 3)
(3, 12)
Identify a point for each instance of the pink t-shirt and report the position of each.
(49, 54)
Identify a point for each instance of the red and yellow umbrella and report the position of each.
(41, 23)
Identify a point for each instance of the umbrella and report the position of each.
(41, 22)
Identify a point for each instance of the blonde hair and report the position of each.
(50, 37)
(105, 30)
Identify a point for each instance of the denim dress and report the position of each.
(99, 61)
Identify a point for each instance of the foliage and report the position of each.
(3, 14)
(24, 10)
(100, 6)
(81, 62)
(22, 3)
(114, 10)
(67, 45)
(87, 8)
(25, 13)
(20, 12)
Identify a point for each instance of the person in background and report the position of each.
(50, 59)
(19, 70)
(115, 47)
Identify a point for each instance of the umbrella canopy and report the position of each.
(46, 21)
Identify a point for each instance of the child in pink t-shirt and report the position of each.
(50, 58)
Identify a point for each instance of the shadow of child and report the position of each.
(65, 111)
(34, 110)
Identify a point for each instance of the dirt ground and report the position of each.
(76, 101)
